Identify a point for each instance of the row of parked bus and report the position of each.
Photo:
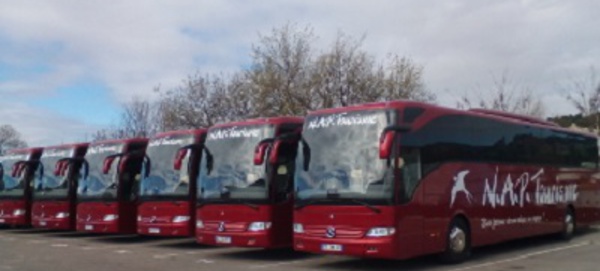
(388, 180)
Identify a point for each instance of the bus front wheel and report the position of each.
(458, 242)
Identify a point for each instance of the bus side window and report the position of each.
(410, 169)
(284, 169)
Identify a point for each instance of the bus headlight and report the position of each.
(180, 218)
(139, 218)
(110, 217)
(199, 224)
(19, 212)
(381, 232)
(298, 228)
(62, 215)
(259, 226)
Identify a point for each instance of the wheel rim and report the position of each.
(570, 226)
(458, 240)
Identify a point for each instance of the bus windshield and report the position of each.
(341, 151)
(11, 186)
(97, 184)
(163, 180)
(46, 184)
(227, 167)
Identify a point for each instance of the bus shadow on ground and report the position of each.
(526, 244)
(420, 263)
(29, 231)
(127, 239)
(73, 234)
(283, 254)
(186, 244)
(480, 255)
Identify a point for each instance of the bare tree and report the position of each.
(505, 95)
(10, 138)
(202, 101)
(403, 79)
(279, 75)
(345, 75)
(584, 94)
(138, 119)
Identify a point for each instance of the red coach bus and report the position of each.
(168, 187)
(109, 184)
(55, 187)
(401, 179)
(16, 174)
(244, 199)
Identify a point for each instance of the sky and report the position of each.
(67, 66)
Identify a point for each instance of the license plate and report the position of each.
(153, 230)
(2, 220)
(223, 240)
(42, 223)
(328, 247)
(89, 227)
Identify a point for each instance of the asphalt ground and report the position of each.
(34, 249)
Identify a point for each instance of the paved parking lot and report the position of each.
(31, 249)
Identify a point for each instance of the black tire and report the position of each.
(458, 242)
(568, 230)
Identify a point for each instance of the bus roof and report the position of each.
(67, 146)
(25, 151)
(483, 113)
(196, 132)
(258, 121)
(124, 140)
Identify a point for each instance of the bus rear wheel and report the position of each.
(569, 225)
(458, 242)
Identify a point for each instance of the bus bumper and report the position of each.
(13, 221)
(237, 239)
(164, 229)
(99, 227)
(52, 223)
(364, 247)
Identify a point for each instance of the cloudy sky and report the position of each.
(66, 66)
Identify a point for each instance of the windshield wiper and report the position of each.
(305, 154)
(311, 202)
(251, 205)
(360, 202)
(204, 202)
(364, 203)
(209, 160)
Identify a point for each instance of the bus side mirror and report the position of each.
(60, 168)
(260, 150)
(179, 158)
(275, 152)
(18, 169)
(385, 144)
(107, 164)
(386, 141)
(123, 163)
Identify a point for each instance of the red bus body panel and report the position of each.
(8, 208)
(91, 213)
(9, 205)
(90, 217)
(500, 202)
(44, 215)
(237, 217)
(156, 218)
(44, 212)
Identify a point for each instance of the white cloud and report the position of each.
(44, 128)
(132, 46)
